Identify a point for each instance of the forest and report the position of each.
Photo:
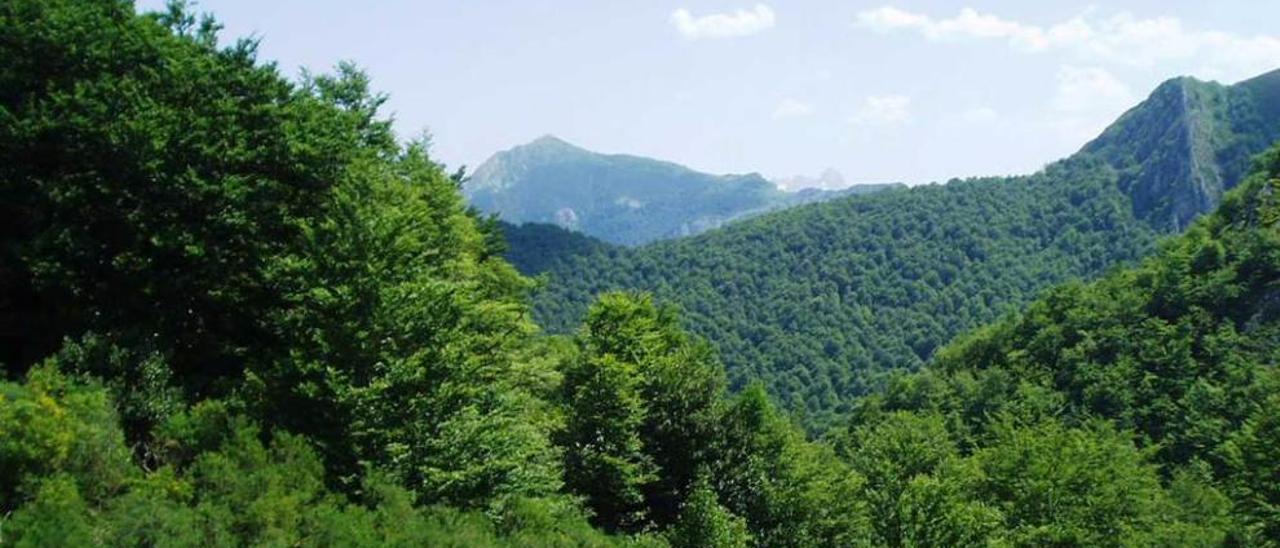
(819, 302)
(237, 309)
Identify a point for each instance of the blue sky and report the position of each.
(904, 90)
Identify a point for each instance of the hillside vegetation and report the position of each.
(1160, 374)
(237, 311)
(820, 300)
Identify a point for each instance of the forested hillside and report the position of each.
(237, 311)
(818, 301)
(1164, 374)
(535, 247)
(619, 198)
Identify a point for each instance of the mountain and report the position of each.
(618, 198)
(1175, 358)
(828, 179)
(1189, 142)
(820, 301)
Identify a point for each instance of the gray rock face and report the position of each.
(1179, 150)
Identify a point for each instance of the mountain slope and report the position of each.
(536, 247)
(620, 198)
(817, 301)
(1177, 355)
(1188, 143)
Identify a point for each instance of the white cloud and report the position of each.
(792, 108)
(1121, 39)
(980, 115)
(968, 24)
(883, 110)
(723, 25)
(1086, 100)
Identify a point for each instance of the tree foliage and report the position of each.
(819, 302)
(1131, 410)
(236, 310)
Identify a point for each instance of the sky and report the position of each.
(900, 90)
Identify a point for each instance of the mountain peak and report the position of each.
(549, 140)
(1194, 118)
(545, 145)
(619, 198)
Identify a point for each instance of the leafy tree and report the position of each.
(55, 426)
(1074, 487)
(704, 522)
(57, 516)
(790, 492)
(1254, 471)
(645, 420)
(903, 457)
(402, 334)
(640, 404)
(944, 509)
(149, 178)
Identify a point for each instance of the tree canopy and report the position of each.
(236, 309)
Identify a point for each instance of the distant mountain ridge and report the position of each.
(619, 198)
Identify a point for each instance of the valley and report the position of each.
(822, 301)
(238, 308)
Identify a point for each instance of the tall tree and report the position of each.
(640, 404)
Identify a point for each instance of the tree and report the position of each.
(401, 332)
(1065, 486)
(640, 403)
(918, 491)
(1253, 460)
(56, 426)
(790, 492)
(704, 522)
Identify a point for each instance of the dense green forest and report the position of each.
(820, 300)
(1160, 375)
(536, 247)
(235, 309)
